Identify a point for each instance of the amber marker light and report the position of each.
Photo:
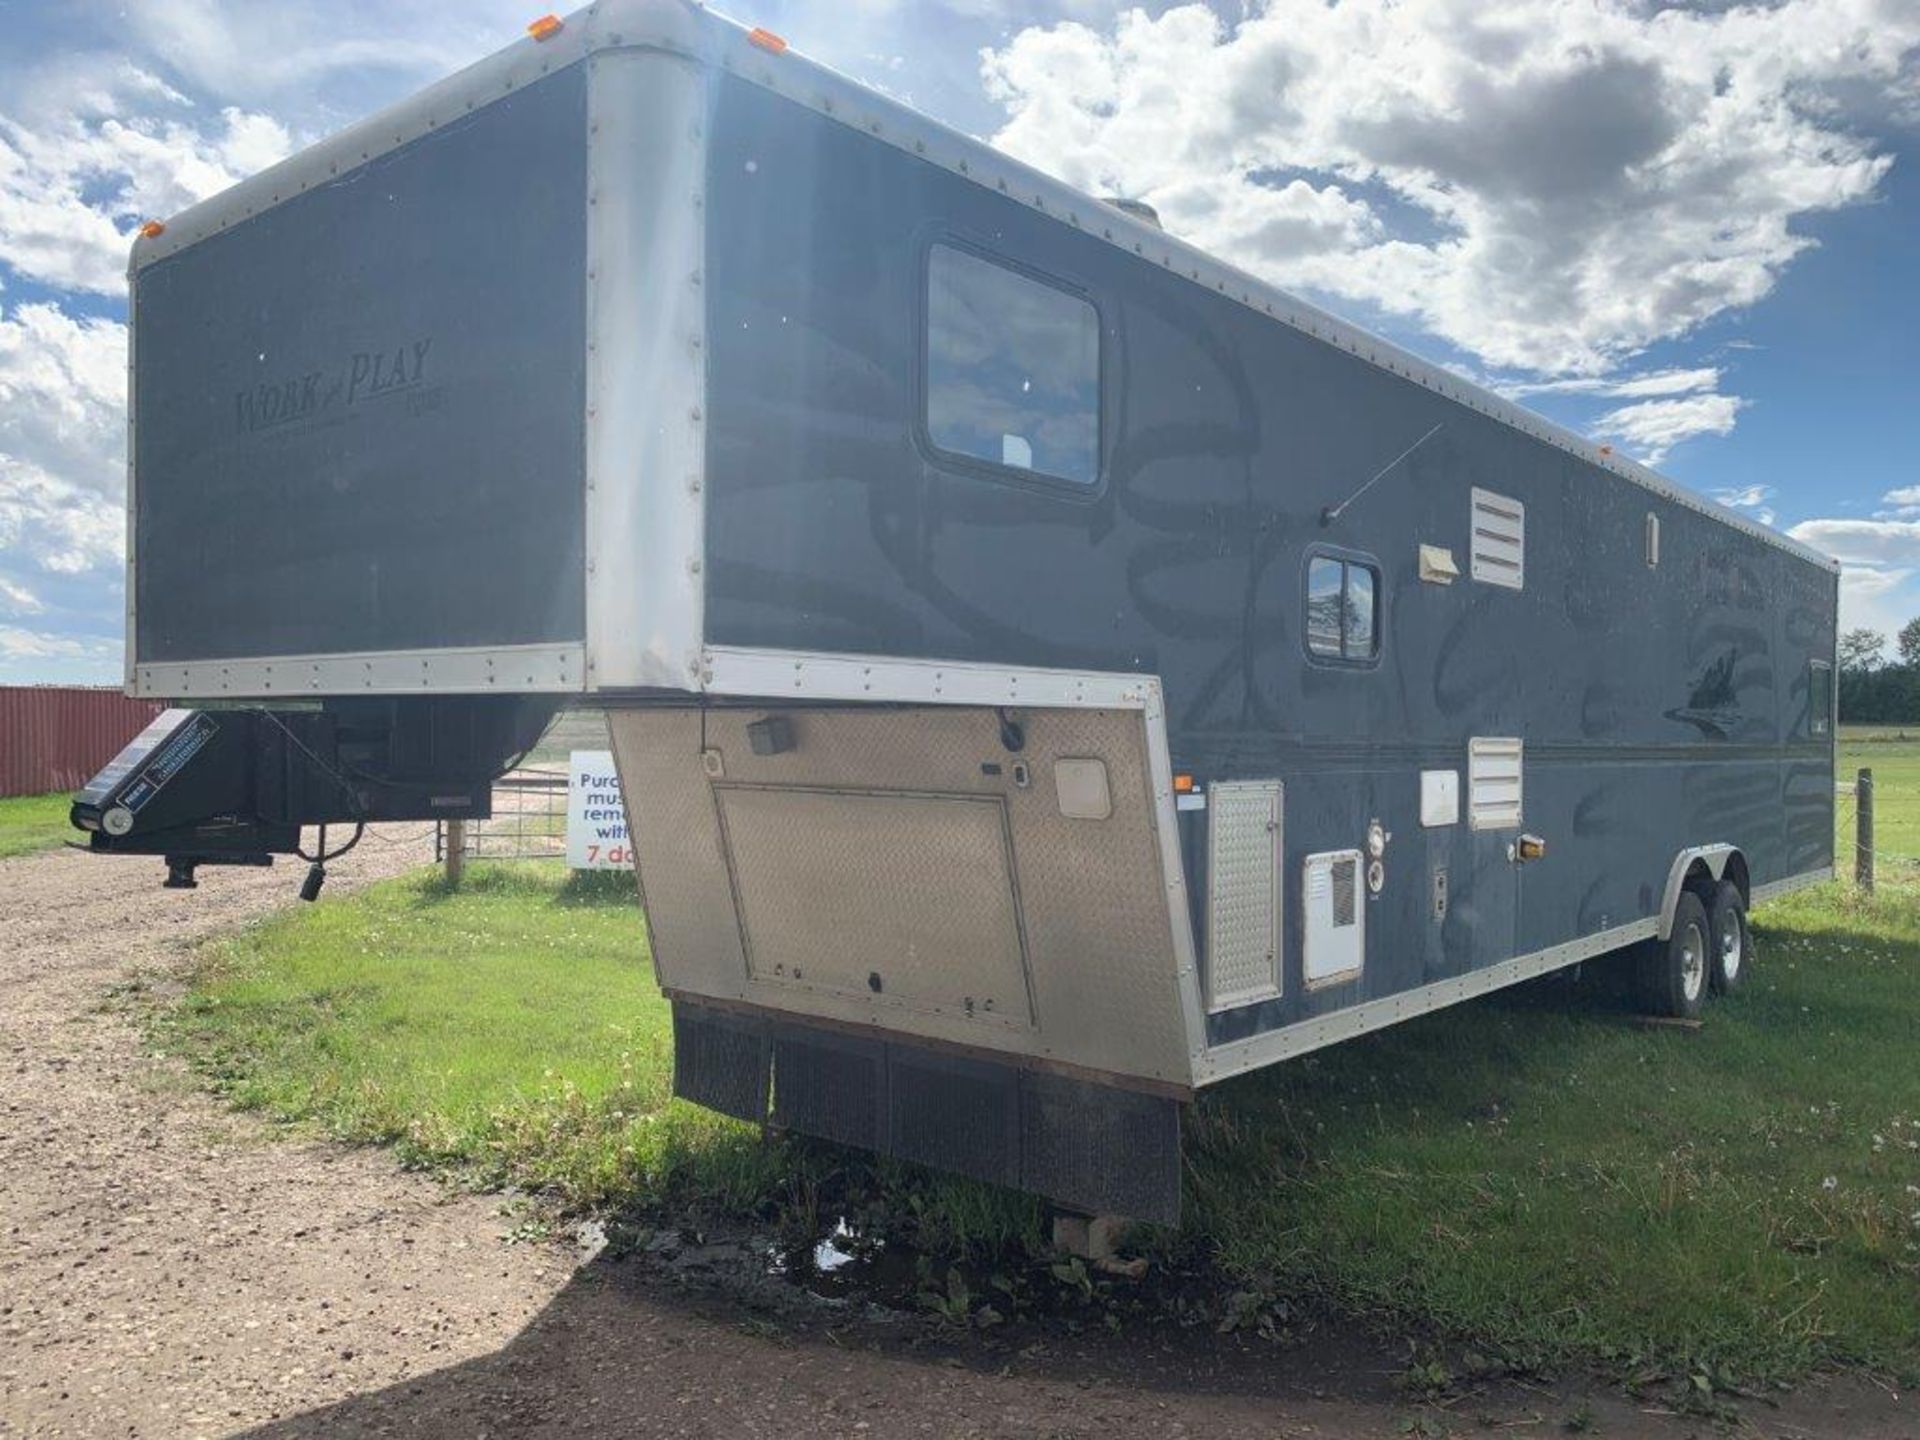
(767, 40)
(1183, 784)
(546, 27)
(153, 228)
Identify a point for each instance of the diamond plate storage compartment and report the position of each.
(1243, 893)
(906, 900)
(910, 874)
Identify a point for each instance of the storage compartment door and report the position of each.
(1334, 915)
(905, 901)
(1243, 893)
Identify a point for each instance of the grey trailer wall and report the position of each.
(359, 411)
(1661, 706)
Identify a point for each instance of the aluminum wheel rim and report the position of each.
(1730, 948)
(1693, 962)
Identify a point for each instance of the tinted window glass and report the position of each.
(1820, 698)
(1324, 583)
(1013, 369)
(1358, 641)
(1341, 609)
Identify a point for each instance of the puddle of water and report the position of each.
(835, 1251)
(844, 1264)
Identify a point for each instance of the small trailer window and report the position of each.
(1340, 608)
(1013, 369)
(1819, 697)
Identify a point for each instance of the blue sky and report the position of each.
(1687, 229)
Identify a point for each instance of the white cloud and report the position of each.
(1878, 559)
(1654, 427)
(1552, 185)
(78, 176)
(1750, 497)
(20, 644)
(1746, 497)
(55, 525)
(62, 440)
(1877, 600)
(1649, 383)
(1863, 542)
(264, 51)
(62, 395)
(19, 600)
(1902, 503)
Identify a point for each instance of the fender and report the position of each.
(1714, 857)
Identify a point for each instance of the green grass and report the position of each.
(1533, 1174)
(31, 823)
(511, 1031)
(1893, 754)
(1537, 1173)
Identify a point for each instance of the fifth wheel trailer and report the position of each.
(1051, 671)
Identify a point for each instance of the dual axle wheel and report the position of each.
(1708, 949)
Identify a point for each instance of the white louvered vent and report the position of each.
(1335, 922)
(1499, 539)
(1494, 783)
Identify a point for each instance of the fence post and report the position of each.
(1863, 831)
(456, 857)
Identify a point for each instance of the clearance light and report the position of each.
(1183, 784)
(153, 228)
(546, 27)
(767, 40)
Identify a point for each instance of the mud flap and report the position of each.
(720, 1065)
(1088, 1147)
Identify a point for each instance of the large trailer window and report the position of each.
(1013, 369)
(1340, 608)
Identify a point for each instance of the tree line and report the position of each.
(1876, 690)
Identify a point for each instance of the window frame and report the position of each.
(1348, 560)
(1821, 726)
(1057, 486)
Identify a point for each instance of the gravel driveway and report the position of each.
(170, 1268)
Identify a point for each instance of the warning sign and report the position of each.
(596, 815)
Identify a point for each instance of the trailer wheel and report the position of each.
(1732, 946)
(1675, 972)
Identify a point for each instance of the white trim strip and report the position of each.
(1240, 1056)
(799, 675)
(646, 337)
(508, 669)
(1774, 889)
(1173, 874)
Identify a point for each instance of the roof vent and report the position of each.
(1138, 209)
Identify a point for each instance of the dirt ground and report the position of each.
(169, 1269)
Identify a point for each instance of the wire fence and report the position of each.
(1890, 866)
(529, 820)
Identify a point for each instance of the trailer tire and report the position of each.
(1732, 945)
(1675, 972)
